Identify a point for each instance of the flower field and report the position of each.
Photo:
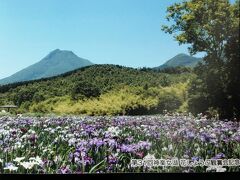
(107, 144)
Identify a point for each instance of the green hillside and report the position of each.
(100, 89)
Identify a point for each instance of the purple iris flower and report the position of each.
(9, 164)
(237, 138)
(96, 141)
(219, 156)
(77, 154)
(32, 138)
(71, 155)
(81, 149)
(205, 137)
(190, 135)
(65, 170)
(195, 158)
(99, 143)
(144, 145)
(89, 129)
(88, 160)
(127, 148)
(112, 143)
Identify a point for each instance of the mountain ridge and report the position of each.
(55, 63)
(180, 60)
(59, 62)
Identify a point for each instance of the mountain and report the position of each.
(55, 63)
(182, 60)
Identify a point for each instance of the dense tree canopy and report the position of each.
(212, 27)
(100, 90)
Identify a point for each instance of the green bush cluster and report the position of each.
(128, 100)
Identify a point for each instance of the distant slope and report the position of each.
(182, 60)
(55, 63)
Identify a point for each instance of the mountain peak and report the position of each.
(58, 52)
(55, 63)
(180, 60)
(181, 54)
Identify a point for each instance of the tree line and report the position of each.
(211, 27)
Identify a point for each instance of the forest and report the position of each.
(103, 90)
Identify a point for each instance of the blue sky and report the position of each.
(125, 32)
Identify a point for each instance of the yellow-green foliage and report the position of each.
(111, 103)
(124, 100)
(48, 105)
